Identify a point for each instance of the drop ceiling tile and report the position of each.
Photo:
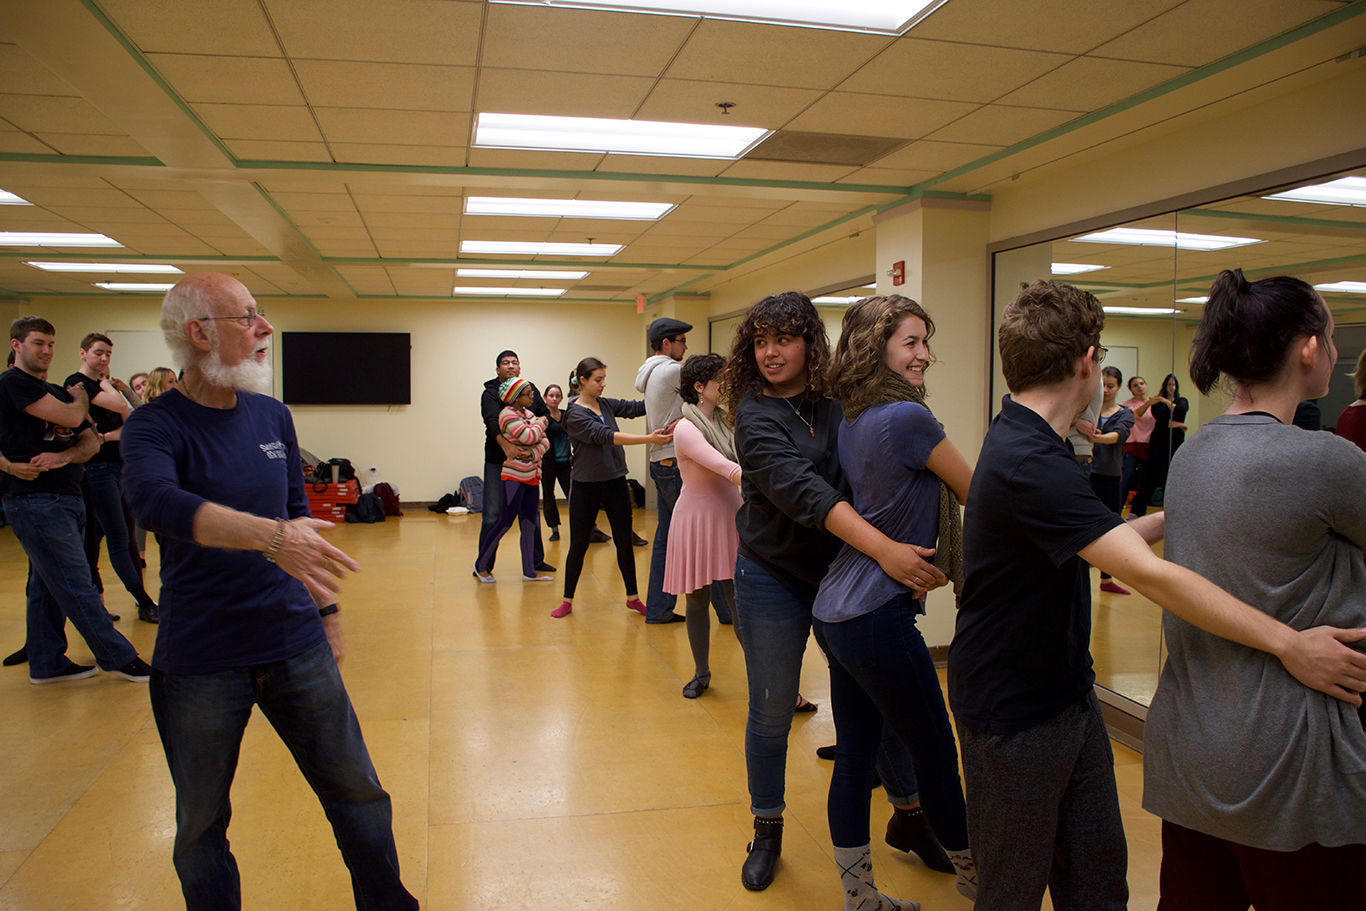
(747, 202)
(246, 247)
(170, 246)
(82, 144)
(260, 150)
(416, 204)
(417, 250)
(259, 121)
(350, 219)
(796, 218)
(733, 215)
(850, 113)
(999, 124)
(378, 221)
(754, 54)
(694, 101)
(419, 128)
(366, 153)
(359, 187)
(171, 199)
(535, 161)
(1202, 31)
(1090, 83)
(53, 197)
(398, 86)
(581, 41)
(888, 177)
(227, 27)
(23, 144)
(649, 164)
(345, 249)
(198, 78)
(573, 234)
(23, 75)
(32, 218)
(637, 253)
(784, 170)
(512, 91)
(429, 235)
(314, 202)
(951, 71)
(356, 233)
(45, 114)
(667, 228)
(768, 232)
(929, 155)
(710, 259)
(399, 31)
(1065, 26)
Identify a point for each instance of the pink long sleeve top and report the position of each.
(702, 535)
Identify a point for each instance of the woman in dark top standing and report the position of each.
(1169, 432)
(598, 477)
(555, 465)
(795, 514)
(1107, 456)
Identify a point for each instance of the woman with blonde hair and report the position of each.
(159, 380)
(1351, 423)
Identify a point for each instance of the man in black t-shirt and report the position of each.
(110, 402)
(45, 435)
(1043, 809)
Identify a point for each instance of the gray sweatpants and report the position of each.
(1043, 811)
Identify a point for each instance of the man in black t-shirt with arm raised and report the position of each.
(45, 434)
(1043, 810)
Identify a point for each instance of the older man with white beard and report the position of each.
(214, 467)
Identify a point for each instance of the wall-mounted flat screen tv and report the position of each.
(347, 368)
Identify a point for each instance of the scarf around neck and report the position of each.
(949, 555)
(719, 434)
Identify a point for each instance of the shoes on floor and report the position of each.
(544, 567)
(148, 613)
(113, 617)
(19, 657)
(757, 873)
(598, 537)
(563, 610)
(72, 672)
(671, 618)
(1114, 588)
(137, 670)
(803, 706)
(538, 578)
(555, 533)
(636, 605)
(909, 830)
(637, 540)
(486, 578)
(826, 753)
(697, 686)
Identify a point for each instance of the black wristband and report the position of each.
(328, 611)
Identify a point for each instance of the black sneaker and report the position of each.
(137, 670)
(113, 617)
(19, 657)
(544, 567)
(72, 672)
(555, 533)
(147, 613)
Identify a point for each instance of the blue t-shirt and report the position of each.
(883, 451)
(220, 609)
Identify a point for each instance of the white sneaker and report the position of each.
(486, 578)
(538, 578)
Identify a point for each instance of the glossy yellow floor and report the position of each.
(534, 763)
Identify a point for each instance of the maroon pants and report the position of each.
(1204, 873)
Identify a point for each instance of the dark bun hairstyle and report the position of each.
(701, 368)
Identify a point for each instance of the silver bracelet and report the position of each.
(273, 550)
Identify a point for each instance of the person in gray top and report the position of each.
(1261, 781)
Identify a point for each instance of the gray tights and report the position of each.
(699, 624)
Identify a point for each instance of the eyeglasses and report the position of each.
(245, 320)
(1100, 354)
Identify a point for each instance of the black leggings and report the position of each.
(550, 472)
(1107, 488)
(586, 498)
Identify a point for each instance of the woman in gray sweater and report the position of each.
(1261, 781)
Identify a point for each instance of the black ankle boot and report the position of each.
(909, 830)
(757, 873)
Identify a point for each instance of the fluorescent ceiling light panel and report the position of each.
(1345, 191)
(135, 286)
(547, 274)
(1192, 300)
(1147, 237)
(1141, 311)
(632, 137)
(566, 208)
(1346, 287)
(511, 292)
(835, 300)
(51, 239)
(538, 249)
(137, 268)
(883, 17)
(10, 199)
(1075, 268)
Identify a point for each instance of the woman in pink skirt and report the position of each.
(702, 535)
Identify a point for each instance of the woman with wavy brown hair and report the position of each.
(908, 480)
(795, 513)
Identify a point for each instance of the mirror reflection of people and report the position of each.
(1168, 410)
(1136, 447)
(1260, 781)
(1351, 423)
(1107, 444)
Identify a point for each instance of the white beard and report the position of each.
(250, 376)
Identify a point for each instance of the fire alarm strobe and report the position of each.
(898, 273)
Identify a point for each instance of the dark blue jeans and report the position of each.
(51, 529)
(668, 485)
(774, 625)
(201, 719)
(106, 485)
(493, 506)
(881, 675)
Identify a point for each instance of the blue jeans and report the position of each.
(493, 506)
(774, 625)
(51, 529)
(106, 484)
(201, 719)
(1133, 467)
(881, 672)
(659, 604)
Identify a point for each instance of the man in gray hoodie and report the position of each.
(658, 381)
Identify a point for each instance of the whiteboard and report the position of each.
(138, 351)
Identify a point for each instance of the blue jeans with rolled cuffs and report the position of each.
(201, 719)
(774, 626)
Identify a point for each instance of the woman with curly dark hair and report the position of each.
(796, 512)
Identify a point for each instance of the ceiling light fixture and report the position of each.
(54, 239)
(1074, 268)
(137, 268)
(835, 300)
(1344, 287)
(1345, 191)
(10, 199)
(1141, 311)
(1192, 300)
(520, 248)
(547, 274)
(1147, 237)
(511, 292)
(629, 137)
(135, 286)
(882, 17)
(566, 208)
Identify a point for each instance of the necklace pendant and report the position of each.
(813, 433)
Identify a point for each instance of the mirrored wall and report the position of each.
(1152, 277)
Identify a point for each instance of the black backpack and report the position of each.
(367, 509)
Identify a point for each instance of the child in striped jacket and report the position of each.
(521, 479)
